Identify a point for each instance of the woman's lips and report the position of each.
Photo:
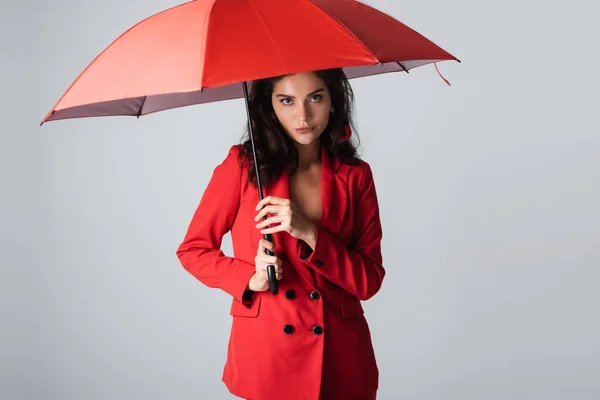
(304, 130)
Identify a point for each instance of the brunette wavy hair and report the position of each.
(275, 150)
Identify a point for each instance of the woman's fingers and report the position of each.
(264, 245)
(263, 276)
(267, 245)
(271, 220)
(271, 200)
(263, 260)
(270, 260)
(267, 209)
(278, 267)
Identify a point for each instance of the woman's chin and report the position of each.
(305, 139)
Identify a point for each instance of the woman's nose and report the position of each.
(303, 113)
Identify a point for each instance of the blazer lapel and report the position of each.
(334, 202)
(334, 194)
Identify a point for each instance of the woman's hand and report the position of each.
(260, 280)
(289, 217)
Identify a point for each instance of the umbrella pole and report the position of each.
(273, 285)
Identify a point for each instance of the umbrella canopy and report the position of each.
(201, 50)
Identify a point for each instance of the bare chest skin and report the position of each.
(305, 193)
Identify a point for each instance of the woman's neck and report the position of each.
(309, 155)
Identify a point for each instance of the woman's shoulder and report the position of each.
(234, 154)
(359, 169)
(230, 163)
(235, 150)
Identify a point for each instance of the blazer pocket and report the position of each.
(351, 309)
(240, 310)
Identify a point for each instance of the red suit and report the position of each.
(311, 340)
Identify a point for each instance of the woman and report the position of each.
(311, 340)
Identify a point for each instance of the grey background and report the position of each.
(488, 190)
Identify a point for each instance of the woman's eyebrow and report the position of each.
(310, 94)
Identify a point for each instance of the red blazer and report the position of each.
(311, 340)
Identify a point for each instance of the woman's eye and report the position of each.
(286, 101)
(316, 98)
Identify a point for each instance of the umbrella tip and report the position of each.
(41, 123)
(458, 60)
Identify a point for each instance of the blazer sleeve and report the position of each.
(200, 253)
(358, 269)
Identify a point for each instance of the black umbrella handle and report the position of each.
(273, 284)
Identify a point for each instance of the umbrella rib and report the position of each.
(204, 41)
(334, 19)
(402, 66)
(142, 106)
(270, 36)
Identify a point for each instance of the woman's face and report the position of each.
(302, 104)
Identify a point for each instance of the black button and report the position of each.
(288, 329)
(317, 330)
(290, 294)
(319, 263)
(314, 295)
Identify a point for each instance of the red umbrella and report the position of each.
(201, 51)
